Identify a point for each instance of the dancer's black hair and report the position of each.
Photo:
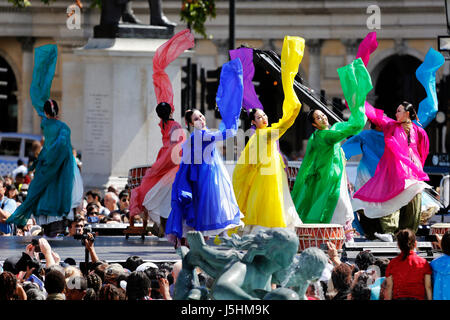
(251, 114)
(163, 110)
(188, 116)
(51, 108)
(410, 108)
(310, 115)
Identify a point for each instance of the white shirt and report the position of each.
(22, 168)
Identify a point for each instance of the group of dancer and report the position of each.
(188, 186)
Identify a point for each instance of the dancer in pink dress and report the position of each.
(399, 177)
(153, 196)
(394, 193)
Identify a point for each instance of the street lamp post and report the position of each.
(447, 14)
(444, 41)
(232, 14)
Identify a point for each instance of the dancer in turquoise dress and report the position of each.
(56, 187)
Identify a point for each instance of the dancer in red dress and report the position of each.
(153, 196)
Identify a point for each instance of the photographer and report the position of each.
(89, 244)
(76, 226)
(160, 279)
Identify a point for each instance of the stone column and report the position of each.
(26, 113)
(314, 47)
(118, 125)
(400, 46)
(222, 51)
(351, 49)
(269, 44)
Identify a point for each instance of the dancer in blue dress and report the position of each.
(202, 193)
(57, 187)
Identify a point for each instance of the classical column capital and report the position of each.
(269, 44)
(27, 43)
(351, 45)
(221, 45)
(400, 46)
(314, 45)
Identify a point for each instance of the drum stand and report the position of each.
(137, 231)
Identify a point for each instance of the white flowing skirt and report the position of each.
(381, 209)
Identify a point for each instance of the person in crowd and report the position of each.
(11, 192)
(93, 213)
(76, 226)
(93, 196)
(55, 285)
(408, 276)
(8, 180)
(110, 292)
(36, 148)
(76, 287)
(111, 201)
(34, 294)
(364, 260)
(441, 270)
(21, 167)
(359, 289)
(10, 288)
(138, 286)
(341, 277)
(124, 203)
(378, 272)
(133, 262)
(7, 207)
(94, 284)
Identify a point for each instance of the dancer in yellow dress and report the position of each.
(259, 180)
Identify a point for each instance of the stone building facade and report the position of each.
(332, 29)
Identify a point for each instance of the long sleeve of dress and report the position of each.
(317, 186)
(291, 56)
(43, 72)
(352, 147)
(426, 74)
(250, 98)
(258, 175)
(164, 55)
(229, 100)
(356, 83)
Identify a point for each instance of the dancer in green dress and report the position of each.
(320, 191)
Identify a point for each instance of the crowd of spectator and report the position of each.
(33, 276)
(96, 207)
(30, 276)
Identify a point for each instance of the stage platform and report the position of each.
(109, 248)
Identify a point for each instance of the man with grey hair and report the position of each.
(111, 200)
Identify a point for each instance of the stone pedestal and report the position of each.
(118, 126)
(128, 30)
